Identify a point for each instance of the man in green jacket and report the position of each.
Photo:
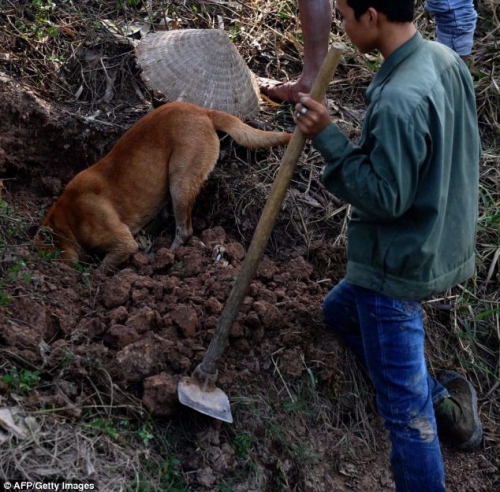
(412, 180)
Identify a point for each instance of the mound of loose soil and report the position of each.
(118, 344)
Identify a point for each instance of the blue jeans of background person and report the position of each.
(455, 23)
(387, 335)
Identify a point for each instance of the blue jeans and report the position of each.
(455, 23)
(387, 335)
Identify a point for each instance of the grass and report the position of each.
(12, 225)
(163, 475)
(283, 428)
(21, 380)
(278, 429)
(160, 467)
(13, 233)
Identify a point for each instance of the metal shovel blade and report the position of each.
(212, 402)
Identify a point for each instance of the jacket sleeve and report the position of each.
(379, 178)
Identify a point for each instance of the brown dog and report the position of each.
(169, 152)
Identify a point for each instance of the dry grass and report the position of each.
(57, 450)
(89, 71)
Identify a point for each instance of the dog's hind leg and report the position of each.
(183, 198)
(187, 173)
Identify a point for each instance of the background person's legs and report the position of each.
(455, 23)
(316, 20)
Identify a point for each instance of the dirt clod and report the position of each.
(104, 351)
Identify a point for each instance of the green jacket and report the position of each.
(413, 177)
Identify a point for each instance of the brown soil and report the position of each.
(122, 341)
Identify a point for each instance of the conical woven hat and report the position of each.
(200, 66)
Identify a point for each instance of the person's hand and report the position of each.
(310, 116)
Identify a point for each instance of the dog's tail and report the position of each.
(246, 135)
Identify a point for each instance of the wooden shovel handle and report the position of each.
(207, 369)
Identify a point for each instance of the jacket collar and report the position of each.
(391, 63)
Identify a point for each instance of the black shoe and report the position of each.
(457, 418)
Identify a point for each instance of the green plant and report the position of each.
(50, 254)
(23, 380)
(45, 244)
(160, 475)
(287, 11)
(178, 267)
(12, 225)
(18, 270)
(85, 270)
(224, 488)
(145, 434)
(42, 25)
(106, 427)
(122, 4)
(161, 468)
(4, 298)
(242, 444)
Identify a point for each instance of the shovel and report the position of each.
(199, 391)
